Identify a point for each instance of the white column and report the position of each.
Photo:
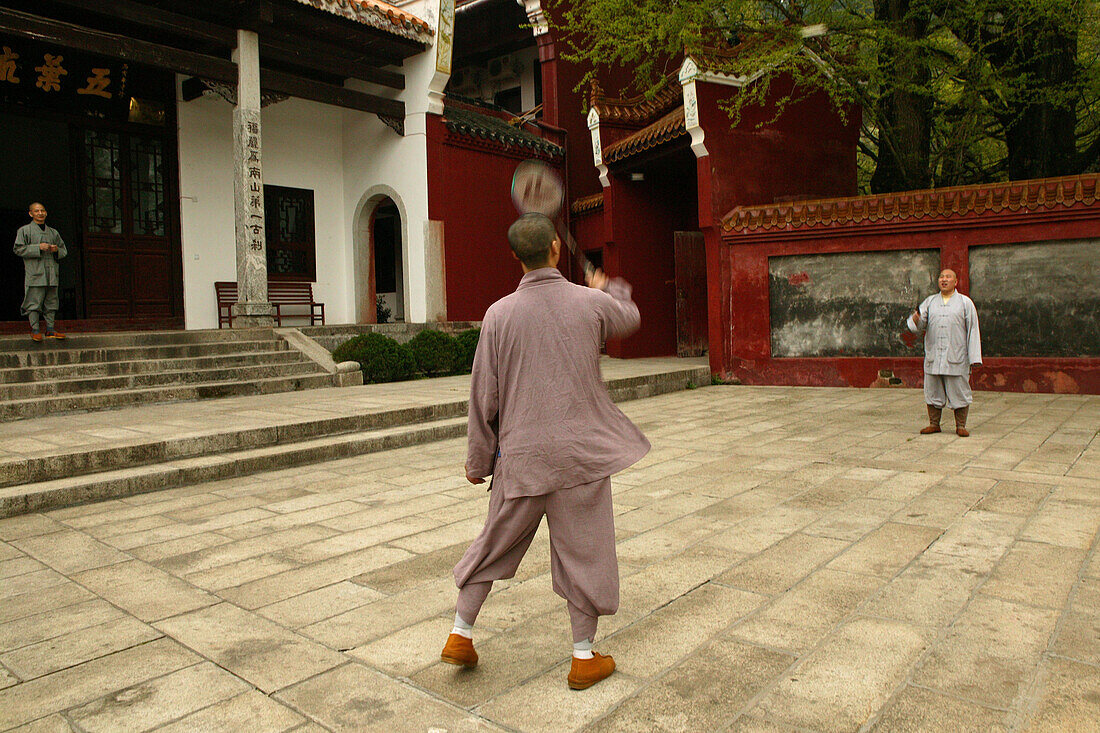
(252, 309)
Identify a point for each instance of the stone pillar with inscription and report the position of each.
(252, 309)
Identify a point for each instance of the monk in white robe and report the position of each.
(543, 425)
(952, 347)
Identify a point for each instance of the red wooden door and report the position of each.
(691, 294)
(127, 243)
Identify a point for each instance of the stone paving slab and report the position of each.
(792, 559)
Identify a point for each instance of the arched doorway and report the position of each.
(386, 262)
(381, 234)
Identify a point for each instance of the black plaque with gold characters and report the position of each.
(41, 75)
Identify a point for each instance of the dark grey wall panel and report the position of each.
(848, 304)
(1039, 299)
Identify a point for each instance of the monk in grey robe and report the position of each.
(952, 347)
(543, 425)
(41, 247)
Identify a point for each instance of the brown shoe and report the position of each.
(36, 336)
(934, 414)
(459, 650)
(586, 672)
(55, 335)
(960, 422)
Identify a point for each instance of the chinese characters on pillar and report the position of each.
(255, 198)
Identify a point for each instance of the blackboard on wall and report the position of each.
(849, 303)
(1038, 299)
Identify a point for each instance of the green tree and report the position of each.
(952, 91)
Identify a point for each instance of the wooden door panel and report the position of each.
(152, 284)
(129, 271)
(691, 294)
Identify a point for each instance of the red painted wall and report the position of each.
(588, 229)
(808, 153)
(644, 215)
(568, 109)
(469, 190)
(740, 341)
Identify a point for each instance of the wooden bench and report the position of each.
(281, 294)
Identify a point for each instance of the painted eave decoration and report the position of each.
(377, 14)
(638, 110)
(669, 127)
(1014, 196)
(587, 204)
(467, 122)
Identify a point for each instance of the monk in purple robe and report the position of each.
(543, 425)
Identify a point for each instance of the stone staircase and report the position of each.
(111, 370)
(268, 433)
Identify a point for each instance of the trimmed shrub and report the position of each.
(381, 310)
(433, 352)
(465, 346)
(381, 358)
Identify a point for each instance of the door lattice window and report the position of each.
(103, 174)
(147, 185)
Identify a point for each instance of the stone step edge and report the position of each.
(127, 362)
(164, 394)
(96, 463)
(135, 353)
(237, 371)
(132, 455)
(200, 469)
(124, 339)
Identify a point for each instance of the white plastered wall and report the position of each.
(347, 158)
(378, 162)
(302, 148)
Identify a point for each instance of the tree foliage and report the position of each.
(952, 91)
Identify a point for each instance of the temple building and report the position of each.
(362, 147)
(366, 149)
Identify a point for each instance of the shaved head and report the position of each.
(531, 236)
(947, 281)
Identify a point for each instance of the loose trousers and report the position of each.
(947, 390)
(583, 565)
(40, 299)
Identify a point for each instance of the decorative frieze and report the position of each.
(1014, 196)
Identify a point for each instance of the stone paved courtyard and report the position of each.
(792, 559)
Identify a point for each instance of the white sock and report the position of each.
(462, 628)
(582, 649)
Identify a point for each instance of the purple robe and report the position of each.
(541, 418)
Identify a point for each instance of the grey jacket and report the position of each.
(540, 416)
(40, 268)
(952, 341)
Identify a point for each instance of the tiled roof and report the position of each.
(724, 60)
(465, 121)
(587, 204)
(669, 127)
(638, 110)
(1015, 196)
(378, 14)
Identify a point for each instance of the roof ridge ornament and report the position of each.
(536, 15)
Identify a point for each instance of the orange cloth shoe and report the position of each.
(55, 335)
(459, 650)
(586, 672)
(36, 336)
